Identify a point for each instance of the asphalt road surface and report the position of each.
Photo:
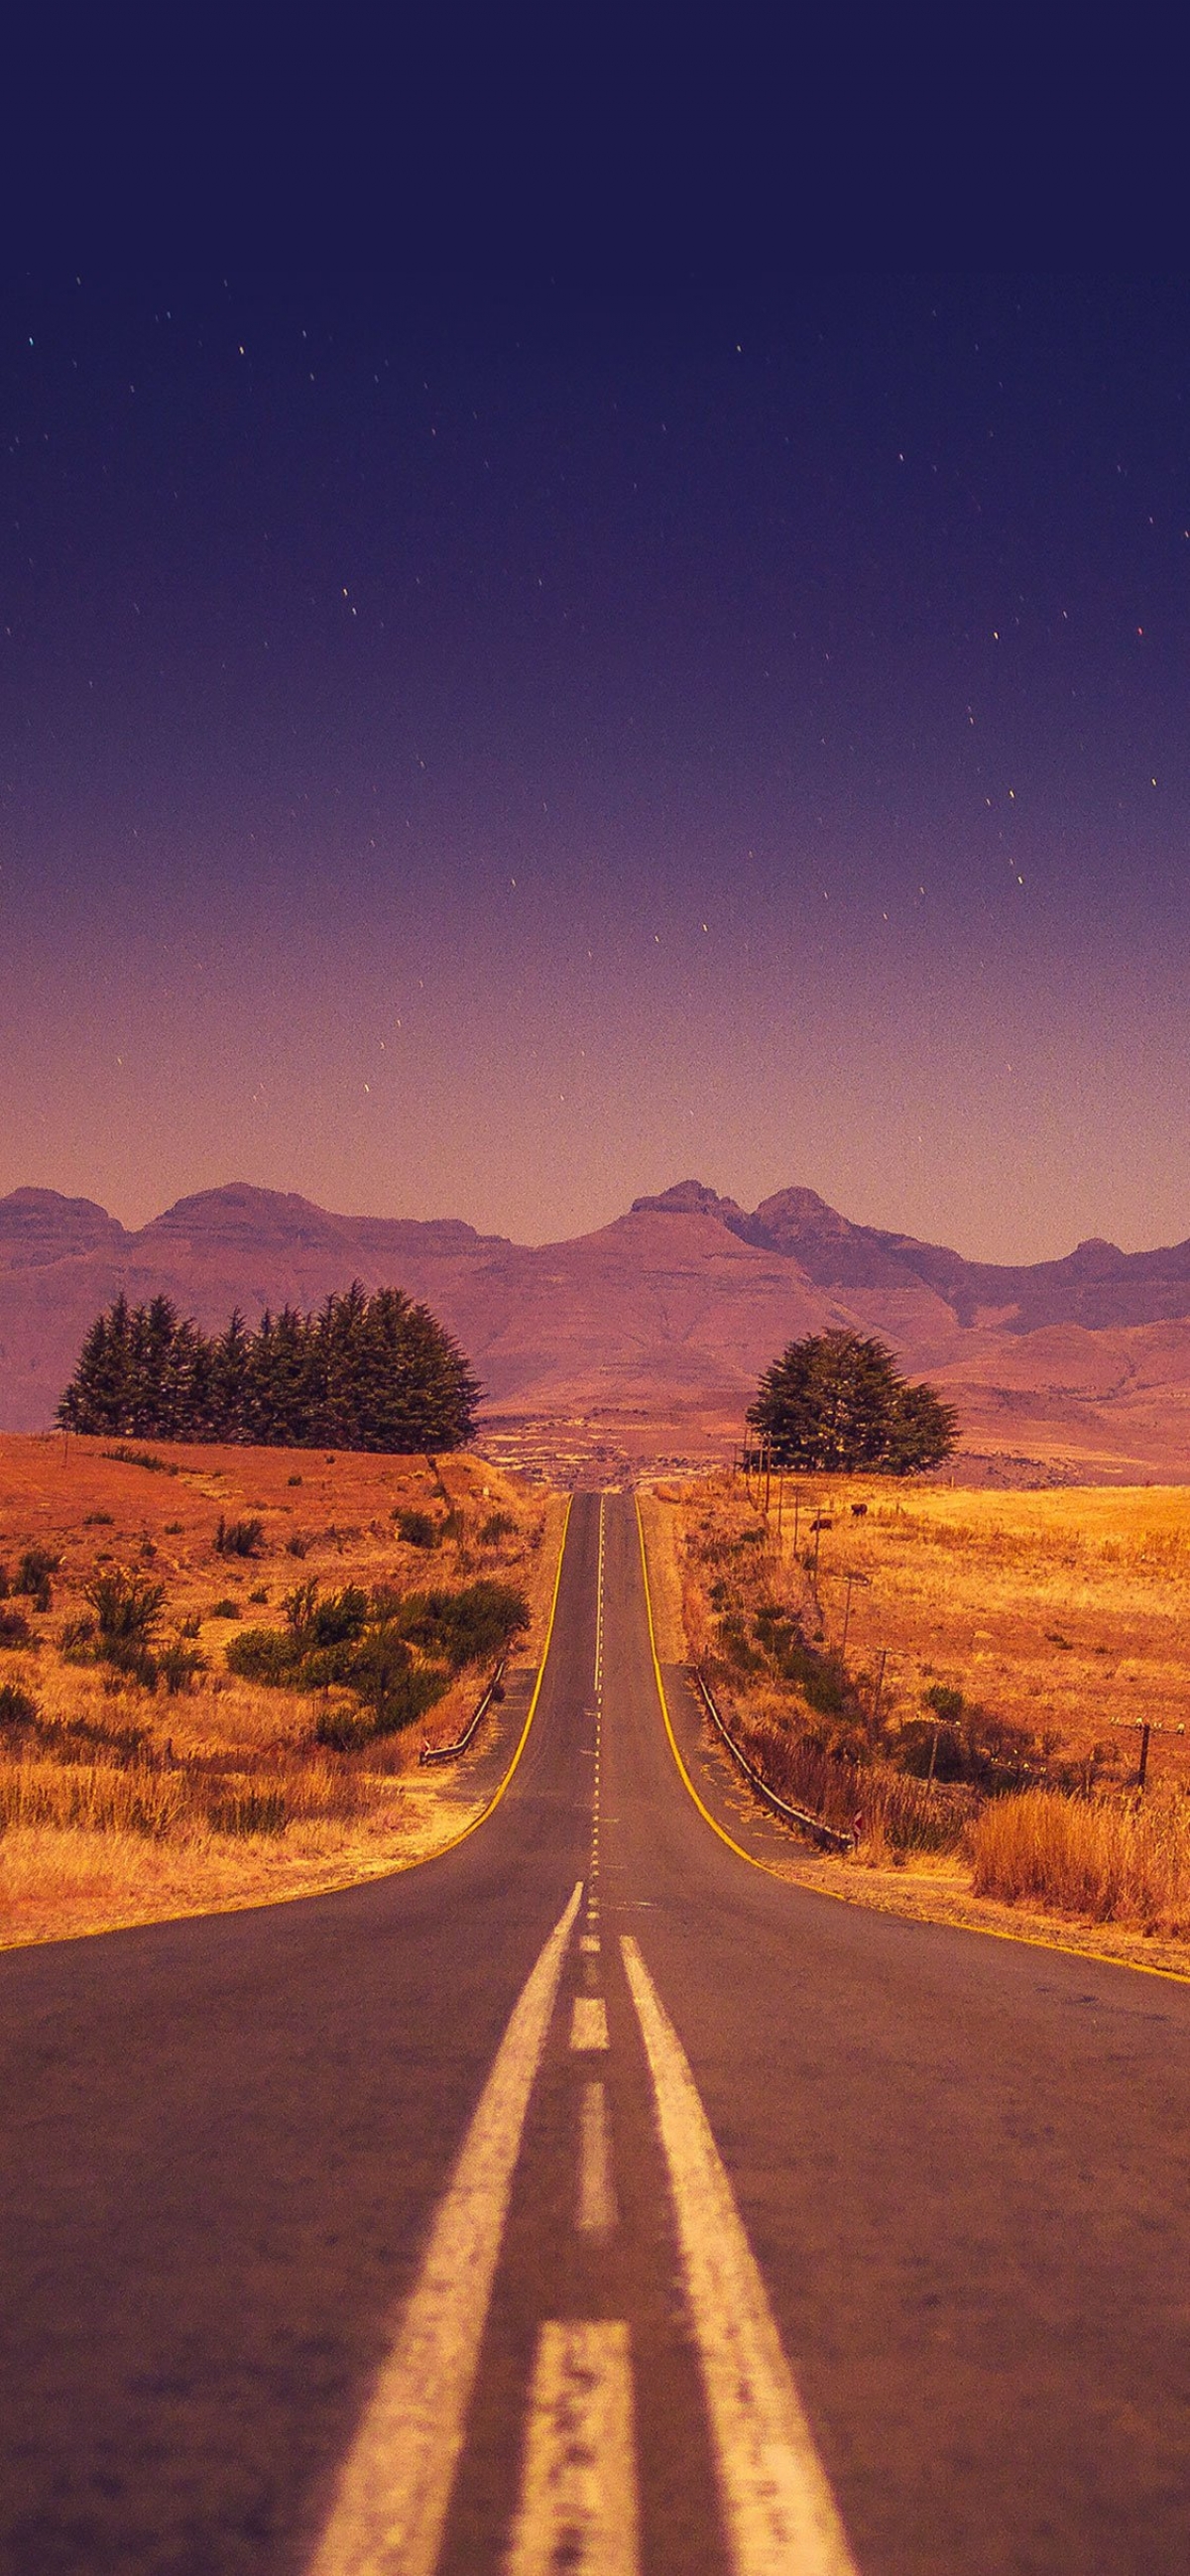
(588, 2199)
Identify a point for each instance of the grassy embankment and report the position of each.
(140, 1777)
(992, 1638)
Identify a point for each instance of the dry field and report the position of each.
(126, 1804)
(1064, 1612)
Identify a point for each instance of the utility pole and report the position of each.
(864, 1580)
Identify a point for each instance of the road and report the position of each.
(590, 2199)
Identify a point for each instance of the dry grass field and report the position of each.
(1063, 1615)
(120, 1803)
(1065, 1610)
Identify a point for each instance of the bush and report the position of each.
(962, 1741)
(18, 1709)
(498, 1525)
(127, 1609)
(14, 1628)
(226, 1609)
(179, 1664)
(32, 1576)
(460, 1628)
(339, 1619)
(416, 1529)
(239, 1538)
(263, 1655)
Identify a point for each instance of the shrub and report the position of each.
(226, 1609)
(263, 1655)
(343, 1730)
(960, 1740)
(14, 1628)
(18, 1709)
(461, 1628)
(416, 1529)
(127, 1609)
(296, 1545)
(339, 1619)
(32, 1576)
(239, 1538)
(498, 1525)
(105, 1520)
(179, 1663)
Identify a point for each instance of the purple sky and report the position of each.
(499, 752)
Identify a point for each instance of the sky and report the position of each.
(497, 746)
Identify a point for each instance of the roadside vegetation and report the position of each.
(218, 1668)
(958, 1676)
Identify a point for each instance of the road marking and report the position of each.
(578, 2506)
(589, 1941)
(778, 2510)
(599, 1608)
(596, 2192)
(395, 2484)
(588, 2026)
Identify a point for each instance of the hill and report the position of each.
(662, 1318)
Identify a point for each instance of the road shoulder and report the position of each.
(938, 1893)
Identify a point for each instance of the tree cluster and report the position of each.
(362, 1372)
(837, 1401)
(363, 1643)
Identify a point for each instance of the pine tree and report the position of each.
(366, 1372)
(837, 1401)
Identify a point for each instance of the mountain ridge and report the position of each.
(678, 1302)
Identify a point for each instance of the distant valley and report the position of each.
(647, 1336)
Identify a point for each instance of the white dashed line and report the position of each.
(578, 2508)
(596, 2191)
(588, 2026)
(395, 2485)
(778, 2510)
(599, 1608)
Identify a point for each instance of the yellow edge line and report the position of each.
(986, 1931)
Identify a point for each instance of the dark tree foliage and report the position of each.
(363, 1372)
(838, 1401)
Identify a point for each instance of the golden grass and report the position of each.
(1062, 1610)
(1107, 1860)
(228, 1800)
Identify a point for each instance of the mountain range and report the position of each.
(672, 1310)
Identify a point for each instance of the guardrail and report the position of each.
(450, 1752)
(803, 1816)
